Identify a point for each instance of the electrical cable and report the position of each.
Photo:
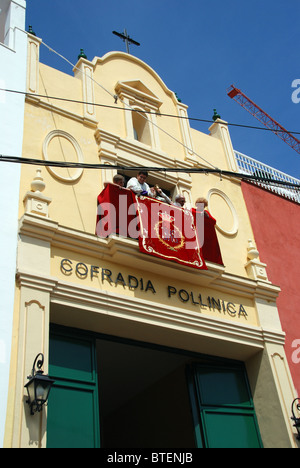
(135, 168)
(191, 170)
(195, 119)
(143, 115)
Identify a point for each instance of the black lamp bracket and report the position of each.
(296, 406)
(37, 363)
(39, 386)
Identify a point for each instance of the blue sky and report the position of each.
(199, 48)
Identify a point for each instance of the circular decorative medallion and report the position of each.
(61, 146)
(229, 205)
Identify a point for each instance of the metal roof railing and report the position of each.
(250, 166)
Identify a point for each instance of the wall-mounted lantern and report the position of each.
(38, 387)
(296, 420)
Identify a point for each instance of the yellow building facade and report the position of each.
(74, 285)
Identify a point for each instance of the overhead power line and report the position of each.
(215, 170)
(195, 119)
(190, 170)
(126, 105)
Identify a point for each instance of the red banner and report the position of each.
(207, 237)
(169, 232)
(116, 212)
(173, 234)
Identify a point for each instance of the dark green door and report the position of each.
(223, 409)
(73, 415)
(220, 397)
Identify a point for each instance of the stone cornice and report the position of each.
(249, 339)
(40, 102)
(139, 149)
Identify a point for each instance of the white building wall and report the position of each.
(13, 54)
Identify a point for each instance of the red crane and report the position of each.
(263, 117)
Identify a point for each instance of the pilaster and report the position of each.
(84, 71)
(33, 317)
(33, 59)
(275, 360)
(185, 131)
(219, 129)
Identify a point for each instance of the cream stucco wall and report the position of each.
(57, 235)
(74, 203)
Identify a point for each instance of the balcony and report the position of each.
(247, 165)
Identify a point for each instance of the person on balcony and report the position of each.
(118, 179)
(139, 186)
(158, 194)
(179, 201)
(201, 205)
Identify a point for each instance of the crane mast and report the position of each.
(238, 96)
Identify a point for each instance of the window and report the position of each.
(141, 126)
(144, 103)
(223, 410)
(135, 134)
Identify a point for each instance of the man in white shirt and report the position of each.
(138, 184)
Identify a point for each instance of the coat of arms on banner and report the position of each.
(168, 232)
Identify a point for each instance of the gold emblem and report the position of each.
(169, 234)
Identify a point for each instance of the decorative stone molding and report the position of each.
(84, 71)
(185, 132)
(35, 202)
(33, 338)
(79, 154)
(284, 382)
(235, 227)
(122, 250)
(33, 58)
(219, 129)
(254, 267)
(113, 150)
(135, 95)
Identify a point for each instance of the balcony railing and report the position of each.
(247, 165)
